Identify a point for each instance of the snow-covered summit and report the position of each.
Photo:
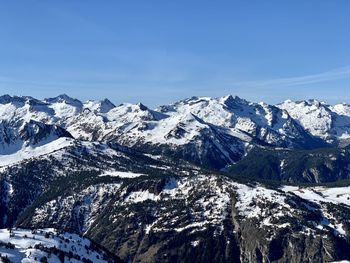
(330, 123)
(63, 98)
(196, 124)
(102, 106)
(15, 136)
(341, 109)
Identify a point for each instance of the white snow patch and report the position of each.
(195, 243)
(121, 174)
(336, 195)
(141, 196)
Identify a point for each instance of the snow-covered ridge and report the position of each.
(226, 126)
(320, 119)
(32, 152)
(21, 245)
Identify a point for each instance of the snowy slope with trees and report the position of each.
(48, 245)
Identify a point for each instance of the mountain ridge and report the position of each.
(186, 124)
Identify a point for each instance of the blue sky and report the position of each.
(161, 51)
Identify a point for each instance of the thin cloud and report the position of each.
(335, 74)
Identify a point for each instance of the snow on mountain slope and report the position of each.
(88, 126)
(342, 121)
(331, 123)
(337, 195)
(63, 110)
(103, 126)
(322, 196)
(85, 205)
(341, 109)
(209, 204)
(244, 120)
(25, 109)
(219, 111)
(64, 106)
(270, 207)
(27, 122)
(25, 175)
(178, 130)
(312, 114)
(188, 129)
(103, 106)
(121, 174)
(241, 117)
(200, 124)
(130, 113)
(33, 152)
(195, 210)
(16, 136)
(22, 245)
(51, 110)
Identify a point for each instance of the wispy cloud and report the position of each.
(335, 74)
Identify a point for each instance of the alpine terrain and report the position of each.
(200, 180)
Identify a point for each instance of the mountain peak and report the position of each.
(106, 105)
(107, 101)
(233, 101)
(315, 102)
(65, 98)
(102, 106)
(308, 102)
(5, 98)
(142, 107)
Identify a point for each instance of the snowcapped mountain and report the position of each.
(15, 136)
(214, 132)
(120, 176)
(330, 123)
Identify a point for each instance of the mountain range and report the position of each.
(185, 182)
(212, 132)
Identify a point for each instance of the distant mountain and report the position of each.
(17, 135)
(214, 132)
(330, 123)
(200, 180)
